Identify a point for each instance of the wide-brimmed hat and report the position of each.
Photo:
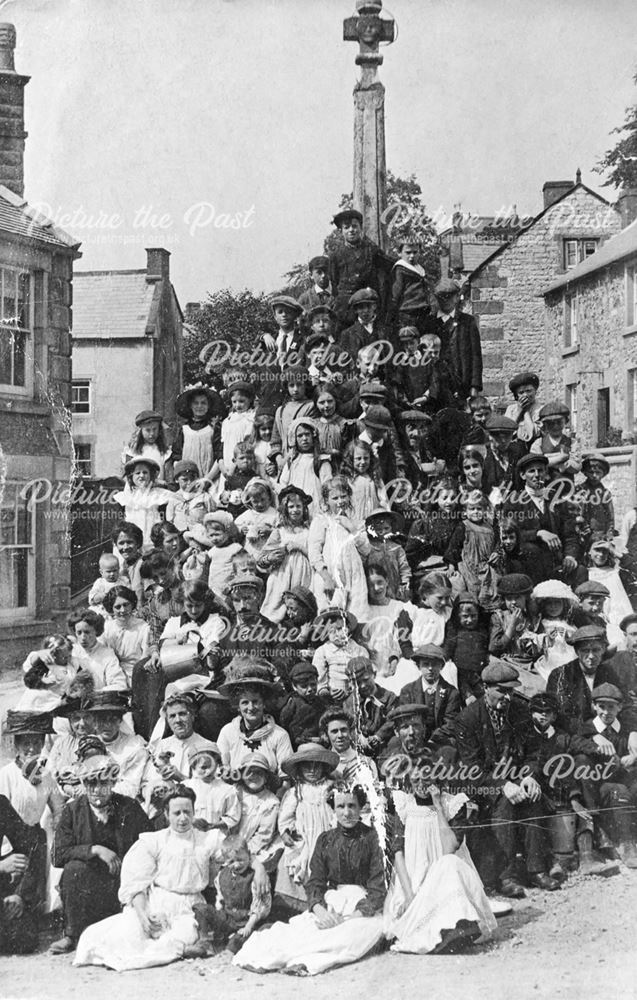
(233, 687)
(108, 701)
(393, 515)
(296, 491)
(141, 460)
(335, 615)
(146, 415)
(28, 723)
(257, 759)
(553, 590)
(182, 403)
(205, 746)
(310, 753)
(596, 457)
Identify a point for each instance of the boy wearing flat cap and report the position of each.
(357, 263)
(304, 706)
(459, 337)
(318, 294)
(611, 795)
(441, 699)
(495, 737)
(573, 682)
(367, 328)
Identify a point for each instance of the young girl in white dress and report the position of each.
(141, 498)
(258, 521)
(604, 569)
(305, 466)
(368, 490)
(335, 548)
(436, 900)
(285, 554)
(198, 440)
(304, 814)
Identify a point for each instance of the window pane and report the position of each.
(6, 358)
(570, 253)
(24, 298)
(9, 301)
(19, 359)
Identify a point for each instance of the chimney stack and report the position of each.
(157, 264)
(627, 205)
(552, 191)
(12, 134)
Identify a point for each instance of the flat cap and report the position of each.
(345, 214)
(498, 672)
(363, 296)
(288, 302)
(317, 262)
(587, 634)
(514, 583)
(607, 692)
(531, 459)
(498, 422)
(554, 409)
(406, 712)
(592, 588)
(596, 457)
(429, 652)
(628, 620)
(378, 417)
(447, 286)
(544, 701)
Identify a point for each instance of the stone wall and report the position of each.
(605, 352)
(506, 292)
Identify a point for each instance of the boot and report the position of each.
(588, 865)
(628, 853)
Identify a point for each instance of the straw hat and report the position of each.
(310, 753)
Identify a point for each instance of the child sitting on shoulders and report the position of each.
(304, 707)
(109, 569)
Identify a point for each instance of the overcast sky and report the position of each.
(157, 122)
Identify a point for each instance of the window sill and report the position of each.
(630, 330)
(567, 351)
(22, 404)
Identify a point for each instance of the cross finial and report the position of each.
(368, 28)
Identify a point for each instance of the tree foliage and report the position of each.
(236, 319)
(620, 162)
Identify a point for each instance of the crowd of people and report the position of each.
(358, 669)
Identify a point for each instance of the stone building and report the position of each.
(36, 272)
(127, 357)
(505, 288)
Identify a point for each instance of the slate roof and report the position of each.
(113, 304)
(623, 244)
(18, 219)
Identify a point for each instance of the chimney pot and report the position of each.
(12, 134)
(7, 47)
(552, 191)
(157, 263)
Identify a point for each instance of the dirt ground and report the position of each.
(575, 944)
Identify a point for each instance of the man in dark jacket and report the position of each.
(94, 833)
(572, 683)
(22, 882)
(441, 699)
(546, 527)
(496, 742)
(459, 336)
(357, 263)
(375, 705)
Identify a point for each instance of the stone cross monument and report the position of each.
(368, 28)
